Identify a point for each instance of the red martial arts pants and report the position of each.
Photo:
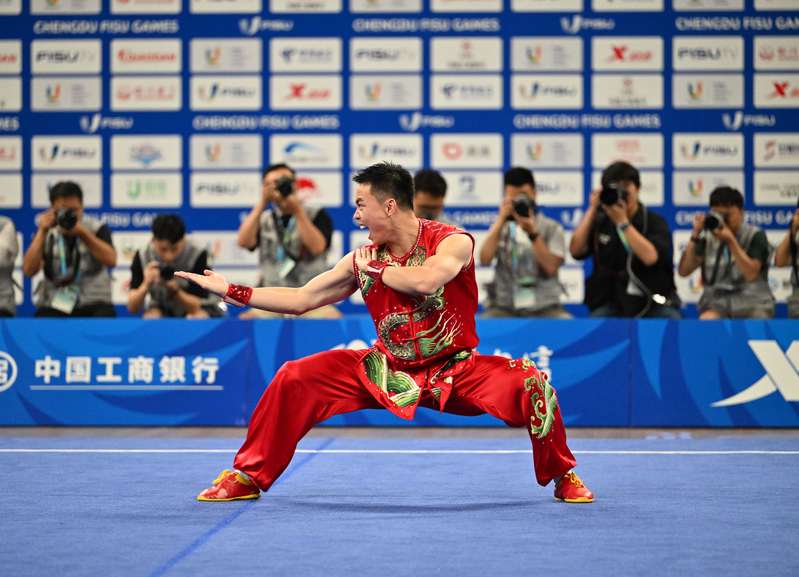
(308, 391)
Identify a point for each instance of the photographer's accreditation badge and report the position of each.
(65, 299)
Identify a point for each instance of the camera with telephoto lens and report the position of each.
(524, 206)
(612, 193)
(285, 186)
(713, 221)
(66, 218)
(167, 272)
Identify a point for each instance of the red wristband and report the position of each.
(375, 269)
(238, 295)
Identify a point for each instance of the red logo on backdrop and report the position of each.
(784, 90)
(307, 188)
(302, 92)
(452, 150)
(623, 54)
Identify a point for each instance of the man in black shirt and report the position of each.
(633, 272)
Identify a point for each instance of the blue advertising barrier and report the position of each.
(607, 372)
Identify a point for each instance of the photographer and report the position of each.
(529, 250)
(633, 272)
(292, 239)
(429, 191)
(9, 248)
(75, 253)
(734, 259)
(787, 255)
(152, 282)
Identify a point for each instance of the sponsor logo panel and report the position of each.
(473, 189)
(322, 151)
(707, 150)
(395, 6)
(708, 5)
(403, 149)
(10, 57)
(546, 54)
(378, 54)
(11, 153)
(775, 5)
(466, 150)
(547, 5)
(776, 150)
(693, 188)
(635, 91)
(547, 91)
(776, 90)
(150, 56)
(11, 193)
(214, 152)
(559, 188)
(466, 54)
(385, 92)
(225, 6)
(317, 188)
(776, 53)
(547, 150)
(90, 183)
(450, 91)
(64, 93)
(305, 55)
(145, 6)
(67, 152)
(137, 189)
(226, 93)
(305, 92)
(627, 5)
(223, 248)
(651, 192)
(466, 5)
(707, 90)
(707, 53)
(225, 189)
(572, 279)
(127, 243)
(146, 93)
(640, 150)
(221, 55)
(776, 187)
(10, 6)
(146, 152)
(642, 53)
(304, 6)
(65, 6)
(10, 94)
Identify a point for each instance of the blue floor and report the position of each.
(133, 514)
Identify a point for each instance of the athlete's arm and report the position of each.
(452, 255)
(329, 287)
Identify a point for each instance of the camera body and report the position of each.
(524, 206)
(167, 271)
(66, 218)
(285, 186)
(713, 221)
(612, 193)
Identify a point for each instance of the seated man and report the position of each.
(788, 255)
(152, 282)
(429, 192)
(293, 240)
(633, 272)
(75, 252)
(734, 259)
(528, 248)
(9, 248)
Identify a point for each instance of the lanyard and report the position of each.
(623, 239)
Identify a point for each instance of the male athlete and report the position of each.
(417, 279)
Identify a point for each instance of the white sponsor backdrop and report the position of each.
(179, 105)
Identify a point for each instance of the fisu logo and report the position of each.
(782, 374)
(733, 121)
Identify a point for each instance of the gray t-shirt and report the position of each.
(8, 254)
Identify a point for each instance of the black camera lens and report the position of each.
(167, 272)
(521, 206)
(285, 186)
(713, 220)
(611, 194)
(66, 218)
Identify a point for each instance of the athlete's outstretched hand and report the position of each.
(212, 281)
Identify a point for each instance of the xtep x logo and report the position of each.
(782, 374)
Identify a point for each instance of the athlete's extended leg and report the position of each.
(302, 394)
(518, 393)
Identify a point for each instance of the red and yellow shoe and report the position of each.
(230, 486)
(571, 489)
